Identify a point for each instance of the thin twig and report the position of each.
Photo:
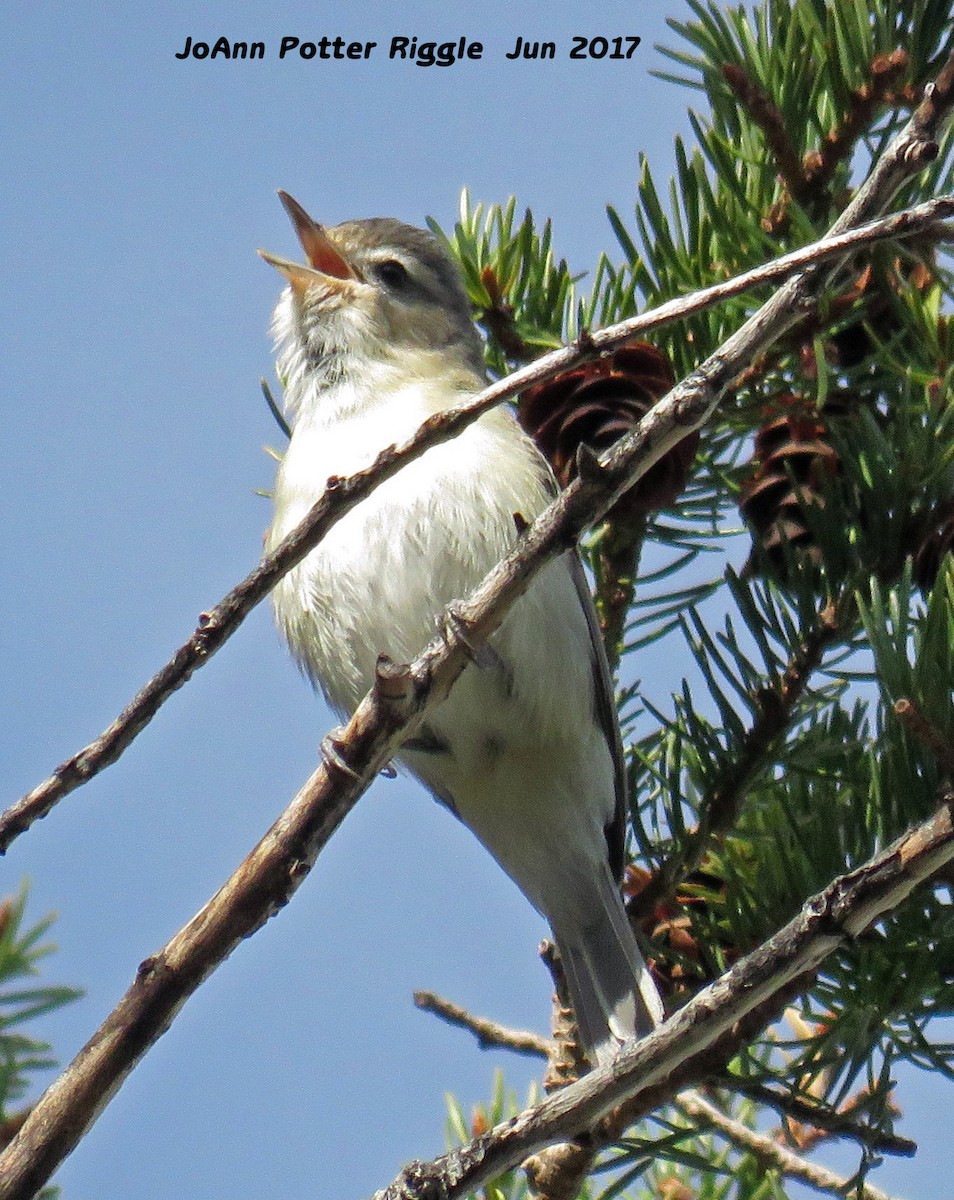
(218, 624)
(821, 1116)
(487, 1032)
(770, 1153)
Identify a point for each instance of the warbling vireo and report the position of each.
(374, 335)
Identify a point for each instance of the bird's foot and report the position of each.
(450, 622)
(329, 751)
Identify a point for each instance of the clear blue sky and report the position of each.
(134, 315)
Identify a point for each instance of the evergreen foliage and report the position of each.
(815, 721)
(21, 1056)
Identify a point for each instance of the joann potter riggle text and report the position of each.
(412, 49)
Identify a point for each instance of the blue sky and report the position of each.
(134, 315)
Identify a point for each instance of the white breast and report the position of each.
(423, 538)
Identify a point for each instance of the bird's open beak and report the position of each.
(326, 260)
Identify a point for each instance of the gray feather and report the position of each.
(613, 994)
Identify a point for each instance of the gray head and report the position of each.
(372, 289)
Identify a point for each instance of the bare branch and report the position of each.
(218, 624)
(487, 1032)
(833, 1123)
(840, 913)
(770, 1153)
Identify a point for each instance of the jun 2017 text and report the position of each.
(412, 49)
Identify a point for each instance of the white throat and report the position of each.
(358, 374)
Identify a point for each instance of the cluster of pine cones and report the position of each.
(794, 457)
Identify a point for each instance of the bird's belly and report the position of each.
(422, 539)
(516, 747)
(538, 792)
(376, 585)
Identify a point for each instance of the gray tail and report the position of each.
(614, 997)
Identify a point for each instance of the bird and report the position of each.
(373, 335)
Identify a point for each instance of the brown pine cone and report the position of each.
(792, 457)
(679, 966)
(594, 404)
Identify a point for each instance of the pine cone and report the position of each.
(680, 966)
(792, 457)
(595, 404)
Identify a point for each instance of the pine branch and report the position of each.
(806, 178)
(498, 319)
(719, 807)
(820, 1116)
(884, 72)
(679, 411)
(757, 985)
(765, 114)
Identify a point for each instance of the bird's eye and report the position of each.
(392, 274)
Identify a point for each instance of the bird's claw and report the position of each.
(332, 756)
(485, 657)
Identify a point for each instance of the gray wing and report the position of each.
(604, 712)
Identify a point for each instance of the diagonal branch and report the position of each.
(690, 1101)
(490, 1033)
(561, 1168)
(262, 884)
(218, 624)
(848, 906)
